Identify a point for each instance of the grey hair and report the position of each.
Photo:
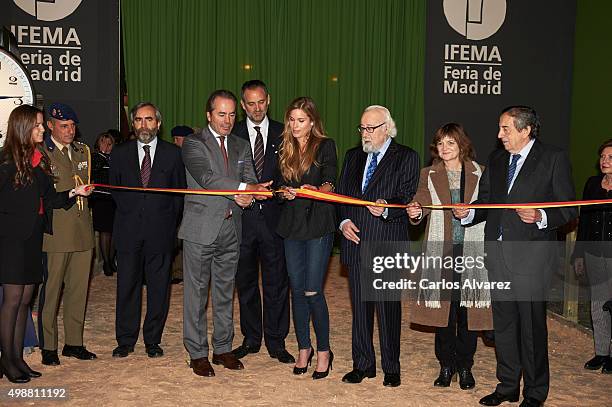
(158, 115)
(392, 130)
(523, 117)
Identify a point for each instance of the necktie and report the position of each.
(258, 154)
(66, 154)
(224, 152)
(145, 167)
(370, 171)
(512, 169)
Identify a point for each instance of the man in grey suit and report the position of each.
(211, 231)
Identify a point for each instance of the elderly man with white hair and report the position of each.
(380, 170)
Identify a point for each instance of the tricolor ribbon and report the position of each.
(347, 200)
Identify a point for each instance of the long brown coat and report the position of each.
(478, 318)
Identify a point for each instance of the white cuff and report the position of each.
(542, 224)
(470, 218)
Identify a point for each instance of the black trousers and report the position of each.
(131, 268)
(455, 345)
(260, 244)
(389, 315)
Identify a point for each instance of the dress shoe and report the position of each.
(466, 378)
(78, 352)
(107, 269)
(50, 358)
(302, 370)
(29, 372)
(495, 399)
(244, 349)
(446, 376)
(530, 402)
(607, 366)
(122, 351)
(282, 355)
(24, 378)
(356, 375)
(320, 375)
(392, 380)
(202, 367)
(596, 363)
(228, 360)
(154, 350)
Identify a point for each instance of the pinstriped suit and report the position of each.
(395, 180)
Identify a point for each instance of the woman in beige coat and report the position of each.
(448, 297)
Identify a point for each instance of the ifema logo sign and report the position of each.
(48, 10)
(475, 19)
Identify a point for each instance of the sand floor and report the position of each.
(168, 381)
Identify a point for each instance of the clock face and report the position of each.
(15, 89)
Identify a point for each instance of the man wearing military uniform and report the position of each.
(69, 249)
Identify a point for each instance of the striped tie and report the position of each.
(145, 167)
(512, 169)
(258, 154)
(370, 172)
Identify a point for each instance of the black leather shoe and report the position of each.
(596, 363)
(446, 376)
(495, 399)
(356, 375)
(607, 366)
(392, 380)
(122, 351)
(50, 358)
(530, 402)
(24, 378)
(282, 355)
(78, 352)
(154, 350)
(108, 271)
(466, 378)
(244, 349)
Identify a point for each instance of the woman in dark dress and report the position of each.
(27, 200)
(102, 204)
(307, 160)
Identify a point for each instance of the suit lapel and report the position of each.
(527, 169)
(471, 180)
(213, 145)
(439, 179)
(134, 163)
(233, 155)
(157, 168)
(361, 160)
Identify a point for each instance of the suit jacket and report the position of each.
(544, 177)
(151, 217)
(395, 180)
(203, 215)
(19, 207)
(270, 207)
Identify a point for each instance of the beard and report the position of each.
(145, 136)
(369, 147)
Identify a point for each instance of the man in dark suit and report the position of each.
(260, 243)
(211, 231)
(144, 229)
(384, 171)
(526, 170)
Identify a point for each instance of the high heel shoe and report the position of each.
(18, 379)
(320, 375)
(302, 370)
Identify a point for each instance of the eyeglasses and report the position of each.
(368, 129)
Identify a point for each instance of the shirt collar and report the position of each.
(525, 150)
(383, 149)
(153, 143)
(59, 145)
(214, 133)
(263, 126)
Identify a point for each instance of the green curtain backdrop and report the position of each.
(590, 123)
(345, 54)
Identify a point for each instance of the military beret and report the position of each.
(181, 131)
(61, 111)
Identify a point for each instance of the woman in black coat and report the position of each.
(27, 200)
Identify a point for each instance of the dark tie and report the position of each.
(512, 169)
(224, 153)
(145, 167)
(370, 171)
(64, 151)
(258, 154)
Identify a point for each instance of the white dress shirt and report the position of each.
(242, 185)
(141, 153)
(263, 129)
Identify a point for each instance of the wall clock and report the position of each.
(16, 88)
